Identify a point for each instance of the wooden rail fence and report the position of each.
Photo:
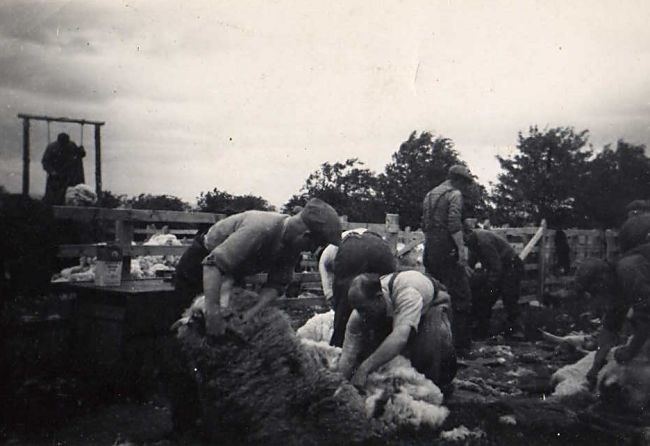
(541, 271)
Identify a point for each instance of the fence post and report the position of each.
(542, 260)
(344, 222)
(124, 238)
(610, 245)
(392, 231)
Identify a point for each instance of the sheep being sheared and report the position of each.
(258, 384)
(397, 394)
(628, 385)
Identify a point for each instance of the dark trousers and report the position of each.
(358, 254)
(188, 279)
(507, 288)
(441, 261)
(181, 388)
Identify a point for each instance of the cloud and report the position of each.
(251, 97)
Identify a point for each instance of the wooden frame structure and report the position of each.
(26, 149)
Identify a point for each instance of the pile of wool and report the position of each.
(84, 272)
(413, 258)
(258, 384)
(318, 328)
(80, 195)
(397, 394)
(163, 240)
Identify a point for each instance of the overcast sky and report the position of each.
(250, 97)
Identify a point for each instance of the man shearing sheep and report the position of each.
(400, 313)
(618, 288)
(248, 243)
(499, 278)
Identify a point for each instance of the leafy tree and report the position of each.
(110, 200)
(420, 164)
(543, 180)
(615, 177)
(347, 186)
(224, 203)
(160, 202)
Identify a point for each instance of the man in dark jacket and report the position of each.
(617, 288)
(635, 230)
(63, 163)
(359, 253)
(499, 276)
(445, 255)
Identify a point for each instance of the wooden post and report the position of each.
(611, 248)
(98, 161)
(392, 230)
(124, 238)
(543, 252)
(344, 222)
(25, 156)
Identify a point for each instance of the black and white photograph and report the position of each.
(306, 223)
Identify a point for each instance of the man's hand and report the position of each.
(215, 324)
(592, 377)
(360, 378)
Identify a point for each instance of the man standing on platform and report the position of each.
(63, 163)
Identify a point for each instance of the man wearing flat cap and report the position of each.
(249, 243)
(445, 254)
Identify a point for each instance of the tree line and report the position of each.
(553, 173)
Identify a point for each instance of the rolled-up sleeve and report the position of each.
(455, 210)
(326, 270)
(235, 250)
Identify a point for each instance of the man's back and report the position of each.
(442, 208)
(489, 248)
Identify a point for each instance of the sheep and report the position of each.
(397, 394)
(628, 385)
(259, 384)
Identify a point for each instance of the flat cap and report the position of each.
(323, 221)
(638, 205)
(461, 171)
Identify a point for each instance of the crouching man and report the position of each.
(360, 252)
(618, 289)
(499, 277)
(249, 243)
(401, 313)
(239, 245)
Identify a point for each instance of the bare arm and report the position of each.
(392, 346)
(606, 340)
(212, 281)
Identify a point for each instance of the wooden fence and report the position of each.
(542, 274)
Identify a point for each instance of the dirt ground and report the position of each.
(502, 396)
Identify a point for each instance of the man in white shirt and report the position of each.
(403, 313)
